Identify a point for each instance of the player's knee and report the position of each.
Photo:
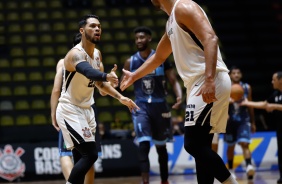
(161, 150)
(144, 148)
(190, 147)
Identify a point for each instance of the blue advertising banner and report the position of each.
(263, 148)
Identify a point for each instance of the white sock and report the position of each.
(68, 182)
(230, 180)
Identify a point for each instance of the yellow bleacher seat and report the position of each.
(49, 62)
(103, 101)
(121, 35)
(48, 89)
(101, 13)
(5, 91)
(123, 116)
(42, 15)
(49, 75)
(6, 105)
(117, 24)
(17, 52)
(144, 11)
(35, 76)
(98, 3)
(27, 16)
(12, 5)
(7, 120)
(39, 119)
(29, 27)
(46, 38)
(26, 5)
(22, 105)
(115, 12)
(19, 76)
(38, 104)
(47, 51)
(62, 50)
(15, 39)
(14, 28)
(55, 4)
(43, 26)
(57, 15)
(110, 59)
(13, 16)
(72, 26)
(71, 14)
(108, 48)
(124, 47)
(40, 4)
(20, 91)
(61, 38)
(31, 39)
(59, 26)
(129, 12)
(4, 63)
(23, 120)
(19, 62)
(32, 62)
(149, 22)
(5, 77)
(32, 51)
(36, 90)
(132, 23)
(105, 116)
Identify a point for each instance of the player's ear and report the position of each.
(150, 38)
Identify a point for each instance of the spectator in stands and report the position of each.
(153, 120)
(274, 106)
(191, 38)
(81, 74)
(240, 125)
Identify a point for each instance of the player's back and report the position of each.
(77, 89)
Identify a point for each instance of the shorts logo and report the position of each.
(11, 166)
(86, 132)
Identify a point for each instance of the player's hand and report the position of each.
(178, 103)
(129, 103)
(269, 107)
(127, 79)
(208, 92)
(113, 72)
(253, 128)
(55, 124)
(112, 78)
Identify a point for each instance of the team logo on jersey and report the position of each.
(11, 166)
(86, 132)
(148, 85)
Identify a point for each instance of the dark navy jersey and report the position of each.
(152, 87)
(240, 113)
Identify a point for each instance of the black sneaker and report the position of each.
(279, 181)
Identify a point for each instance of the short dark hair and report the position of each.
(143, 29)
(234, 68)
(279, 75)
(76, 39)
(83, 21)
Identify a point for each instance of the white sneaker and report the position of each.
(232, 173)
(250, 171)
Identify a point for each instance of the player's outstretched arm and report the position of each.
(75, 61)
(107, 88)
(256, 105)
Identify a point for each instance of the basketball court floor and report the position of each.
(262, 177)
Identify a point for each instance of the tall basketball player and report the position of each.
(191, 38)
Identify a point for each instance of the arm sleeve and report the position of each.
(88, 71)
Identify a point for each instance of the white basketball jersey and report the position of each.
(77, 89)
(188, 55)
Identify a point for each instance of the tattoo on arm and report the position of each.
(76, 58)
